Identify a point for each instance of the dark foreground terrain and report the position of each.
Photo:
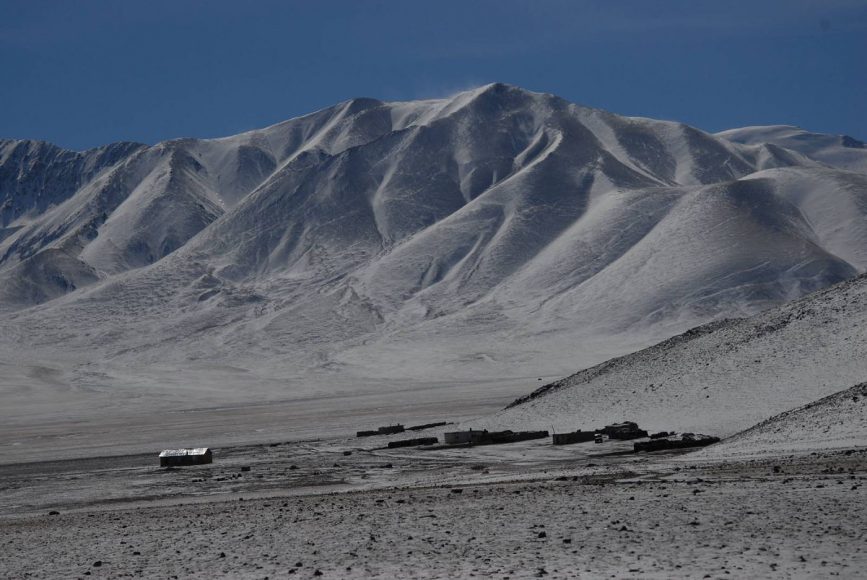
(574, 512)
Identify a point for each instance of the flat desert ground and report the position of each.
(350, 508)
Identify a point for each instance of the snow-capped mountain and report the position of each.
(493, 236)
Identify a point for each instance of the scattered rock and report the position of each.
(54, 513)
(542, 535)
(245, 468)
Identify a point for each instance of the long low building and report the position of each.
(413, 442)
(578, 436)
(178, 457)
(463, 437)
(684, 441)
(385, 430)
(473, 437)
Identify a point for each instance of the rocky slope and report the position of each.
(833, 422)
(728, 376)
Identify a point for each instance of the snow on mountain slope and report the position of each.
(832, 204)
(497, 235)
(126, 206)
(841, 151)
(836, 421)
(719, 378)
(35, 175)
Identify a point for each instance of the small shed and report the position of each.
(177, 457)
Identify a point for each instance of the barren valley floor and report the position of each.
(513, 511)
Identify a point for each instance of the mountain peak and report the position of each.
(500, 91)
(359, 104)
(499, 88)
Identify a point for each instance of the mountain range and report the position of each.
(492, 237)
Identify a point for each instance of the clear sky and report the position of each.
(83, 73)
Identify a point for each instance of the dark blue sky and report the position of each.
(85, 73)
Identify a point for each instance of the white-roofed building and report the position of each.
(197, 456)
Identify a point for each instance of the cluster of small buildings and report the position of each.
(455, 438)
(628, 430)
(624, 431)
(620, 431)
(671, 441)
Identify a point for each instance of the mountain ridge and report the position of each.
(492, 235)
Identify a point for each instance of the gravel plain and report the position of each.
(574, 512)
